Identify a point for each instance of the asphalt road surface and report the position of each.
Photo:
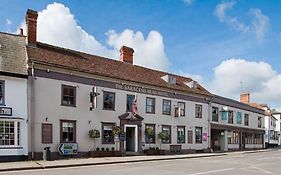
(234, 164)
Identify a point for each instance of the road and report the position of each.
(263, 163)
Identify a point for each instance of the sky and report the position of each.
(228, 46)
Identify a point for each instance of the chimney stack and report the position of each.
(245, 97)
(31, 26)
(126, 54)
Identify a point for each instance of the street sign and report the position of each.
(6, 111)
(122, 136)
(68, 148)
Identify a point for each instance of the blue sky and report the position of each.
(211, 41)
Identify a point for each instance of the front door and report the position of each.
(131, 139)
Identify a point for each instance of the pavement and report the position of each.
(30, 165)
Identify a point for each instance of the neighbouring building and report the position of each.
(63, 111)
(271, 133)
(276, 114)
(235, 125)
(13, 98)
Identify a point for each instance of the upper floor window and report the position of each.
(230, 117)
(259, 122)
(224, 114)
(130, 101)
(246, 119)
(239, 118)
(166, 107)
(68, 131)
(198, 111)
(182, 108)
(215, 114)
(2, 101)
(68, 95)
(108, 100)
(150, 105)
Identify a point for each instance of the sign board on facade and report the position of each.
(122, 136)
(68, 148)
(140, 90)
(5, 111)
(205, 137)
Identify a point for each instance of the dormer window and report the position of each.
(169, 79)
(192, 84)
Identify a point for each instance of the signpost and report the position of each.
(68, 149)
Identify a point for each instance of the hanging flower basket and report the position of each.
(94, 133)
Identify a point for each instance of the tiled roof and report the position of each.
(70, 59)
(13, 53)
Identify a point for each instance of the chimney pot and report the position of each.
(126, 54)
(245, 97)
(21, 31)
(31, 26)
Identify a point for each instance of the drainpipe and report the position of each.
(32, 111)
(209, 122)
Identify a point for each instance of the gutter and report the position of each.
(32, 111)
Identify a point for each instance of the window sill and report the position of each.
(11, 147)
(68, 105)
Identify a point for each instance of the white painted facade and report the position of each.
(225, 132)
(48, 109)
(15, 97)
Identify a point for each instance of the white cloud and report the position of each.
(57, 26)
(258, 25)
(189, 2)
(8, 22)
(237, 75)
(149, 52)
(195, 77)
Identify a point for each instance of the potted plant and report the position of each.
(163, 136)
(149, 134)
(94, 134)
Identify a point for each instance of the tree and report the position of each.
(149, 133)
(94, 133)
(163, 136)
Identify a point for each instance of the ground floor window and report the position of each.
(167, 130)
(233, 137)
(249, 138)
(181, 134)
(149, 133)
(9, 133)
(258, 138)
(68, 131)
(107, 133)
(198, 134)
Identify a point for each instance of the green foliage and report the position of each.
(149, 132)
(163, 135)
(94, 133)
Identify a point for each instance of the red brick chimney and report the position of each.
(31, 26)
(245, 97)
(126, 54)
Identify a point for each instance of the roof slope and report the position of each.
(97, 65)
(13, 53)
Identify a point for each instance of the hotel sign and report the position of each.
(140, 90)
(6, 111)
